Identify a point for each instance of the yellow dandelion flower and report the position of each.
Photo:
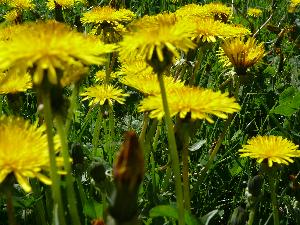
(23, 151)
(199, 103)
(158, 41)
(11, 15)
(109, 23)
(65, 4)
(192, 10)
(56, 47)
(208, 30)
(21, 4)
(11, 83)
(99, 94)
(240, 53)
(218, 11)
(254, 12)
(101, 75)
(293, 5)
(107, 14)
(274, 149)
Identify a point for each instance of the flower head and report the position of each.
(254, 12)
(108, 22)
(23, 151)
(20, 4)
(241, 54)
(11, 83)
(63, 3)
(218, 10)
(158, 41)
(274, 149)
(293, 5)
(56, 48)
(99, 94)
(208, 30)
(199, 103)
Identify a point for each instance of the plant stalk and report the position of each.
(72, 204)
(173, 151)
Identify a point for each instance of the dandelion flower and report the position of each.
(293, 5)
(109, 23)
(65, 4)
(99, 94)
(11, 83)
(159, 41)
(11, 15)
(274, 149)
(199, 103)
(254, 12)
(56, 47)
(23, 151)
(192, 10)
(241, 53)
(138, 75)
(20, 4)
(101, 75)
(208, 30)
(218, 11)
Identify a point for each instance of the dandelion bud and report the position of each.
(255, 185)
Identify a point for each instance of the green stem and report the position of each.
(144, 128)
(10, 208)
(39, 205)
(73, 106)
(72, 205)
(274, 200)
(111, 126)
(96, 134)
(185, 171)
(56, 194)
(173, 151)
(251, 216)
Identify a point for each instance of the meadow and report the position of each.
(164, 112)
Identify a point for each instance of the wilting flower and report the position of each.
(108, 22)
(99, 94)
(274, 149)
(63, 3)
(49, 47)
(241, 53)
(254, 12)
(190, 101)
(159, 41)
(11, 83)
(23, 151)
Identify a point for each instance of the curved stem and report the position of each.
(173, 151)
(72, 205)
(56, 194)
